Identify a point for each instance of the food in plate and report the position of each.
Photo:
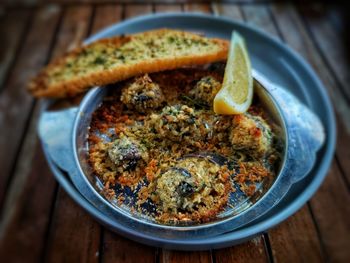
(157, 145)
(114, 59)
(155, 142)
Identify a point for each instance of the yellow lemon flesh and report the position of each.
(236, 93)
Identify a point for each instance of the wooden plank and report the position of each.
(12, 27)
(343, 149)
(106, 15)
(119, 249)
(231, 11)
(296, 36)
(295, 240)
(331, 220)
(114, 247)
(331, 42)
(171, 256)
(74, 236)
(291, 25)
(134, 10)
(334, 49)
(69, 221)
(202, 8)
(15, 102)
(251, 251)
(259, 15)
(331, 210)
(24, 224)
(162, 8)
(73, 30)
(29, 196)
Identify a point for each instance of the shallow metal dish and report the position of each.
(245, 209)
(198, 21)
(301, 141)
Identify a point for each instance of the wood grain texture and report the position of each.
(259, 15)
(74, 29)
(74, 236)
(26, 213)
(202, 8)
(171, 256)
(106, 15)
(343, 149)
(295, 240)
(331, 209)
(252, 251)
(15, 102)
(295, 35)
(70, 224)
(331, 41)
(137, 10)
(29, 200)
(119, 249)
(12, 26)
(162, 8)
(230, 11)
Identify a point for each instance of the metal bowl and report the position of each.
(219, 233)
(245, 208)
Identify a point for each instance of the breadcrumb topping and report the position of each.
(147, 158)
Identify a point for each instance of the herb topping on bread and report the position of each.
(114, 59)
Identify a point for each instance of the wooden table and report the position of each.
(39, 222)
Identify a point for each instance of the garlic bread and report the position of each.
(114, 59)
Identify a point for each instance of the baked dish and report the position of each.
(155, 142)
(157, 146)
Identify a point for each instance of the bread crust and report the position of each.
(40, 85)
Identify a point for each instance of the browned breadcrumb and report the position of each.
(198, 129)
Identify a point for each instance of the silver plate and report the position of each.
(303, 130)
(198, 20)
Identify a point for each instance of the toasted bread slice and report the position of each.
(114, 59)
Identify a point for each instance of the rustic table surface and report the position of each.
(39, 222)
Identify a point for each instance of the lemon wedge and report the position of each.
(236, 93)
